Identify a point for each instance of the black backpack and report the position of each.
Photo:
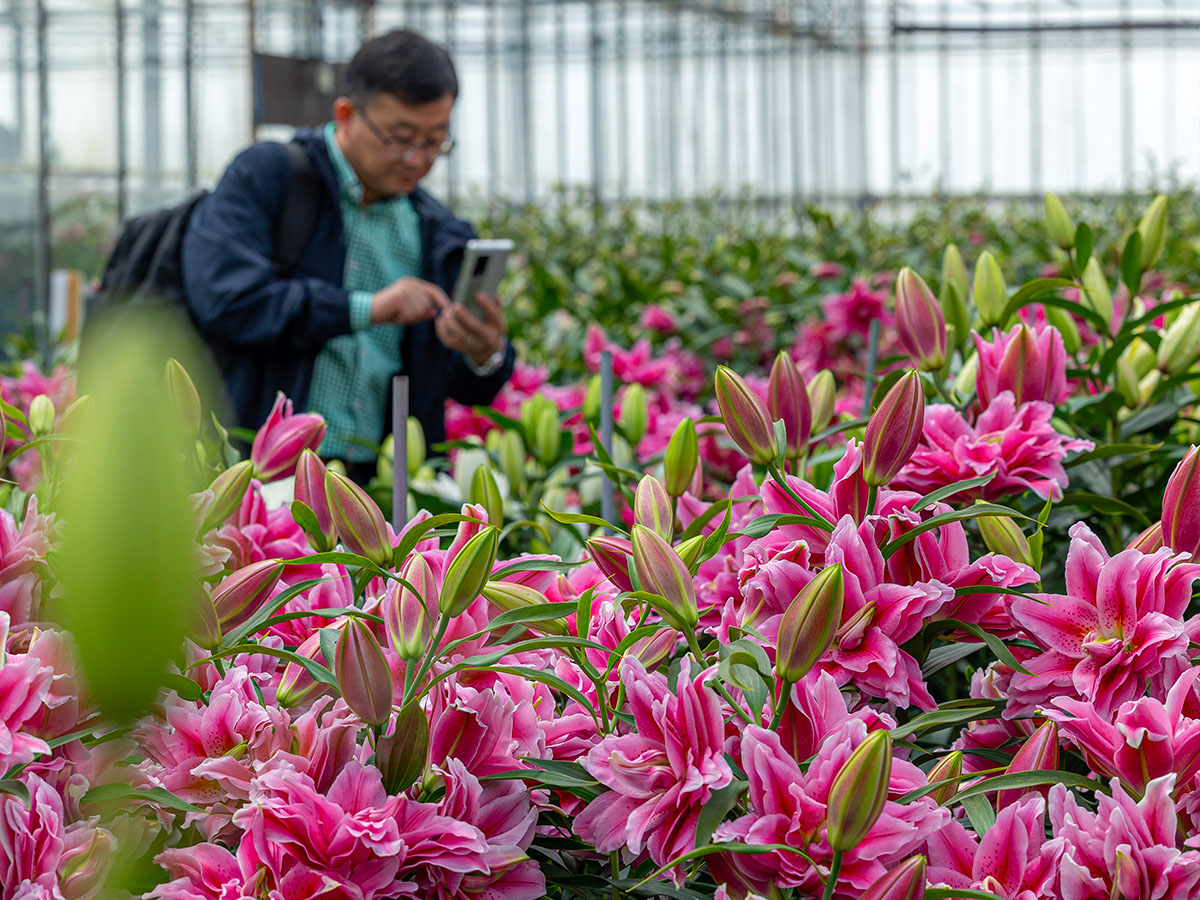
(144, 267)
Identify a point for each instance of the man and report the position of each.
(369, 297)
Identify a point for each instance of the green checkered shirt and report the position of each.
(352, 377)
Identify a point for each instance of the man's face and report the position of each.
(390, 144)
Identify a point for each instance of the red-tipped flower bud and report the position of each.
(919, 322)
(787, 399)
(1181, 506)
(662, 572)
(905, 882)
(894, 430)
(357, 519)
(406, 610)
(240, 595)
(1038, 754)
(611, 556)
(310, 490)
(1150, 540)
(859, 791)
(468, 572)
(652, 507)
(809, 624)
(362, 673)
(278, 444)
(745, 416)
(948, 769)
(228, 490)
(297, 686)
(654, 648)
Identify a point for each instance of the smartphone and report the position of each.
(483, 267)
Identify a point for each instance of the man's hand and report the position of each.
(407, 301)
(476, 339)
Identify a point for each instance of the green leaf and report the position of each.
(950, 490)
(959, 894)
(949, 716)
(1104, 451)
(533, 565)
(1131, 263)
(715, 541)
(416, 533)
(1035, 289)
(713, 812)
(16, 789)
(315, 669)
(569, 518)
(1012, 781)
(1163, 411)
(533, 614)
(941, 657)
(997, 646)
(183, 686)
(980, 813)
(1084, 240)
(1110, 506)
(764, 525)
(105, 793)
(956, 515)
(505, 422)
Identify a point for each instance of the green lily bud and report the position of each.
(1128, 382)
(469, 571)
(509, 595)
(894, 430)
(416, 446)
(689, 551)
(184, 397)
(1141, 356)
(964, 381)
(991, 293)
(400, 755)
(1058, 222)
(1148, 385)
(297, 686)
(662, 572)
(1096, 293)
(591, 401)
(41, 415)
(1180, 343)
(228, 490)
(859, 792)
(486, 493)
(809, 624)
(362, 673)
(948, 767)
(745, 416)
(954, 271)
(406, 610)
(681, 458)
(547, 437)
(240, 595)
(652, 507)
(953, 297)
(1065, 323)
(512, 461)
(1002, 535)
(1153, 229)
(634, 413)
(357, 519)
(822, 395)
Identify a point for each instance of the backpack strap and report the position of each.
(301, 207)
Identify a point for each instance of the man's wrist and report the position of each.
(360, 310)
(491, 364)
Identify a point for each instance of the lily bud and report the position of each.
(611, 556)
(1058, 222)
(787, 399)
(954, 271)
(486, 493)
(206, 625)
(400, 755)
(241, 593)
(652, 507)
(279, 442)
(654, 648)
(1153, 229)
(968, 375)
(822, 394)
(1181, 506)
(1139, 354)
(1096, 293)
(634, 413)
(184, 397)
(41, 415)
(1002, 535)
(510, 595)
(894, 430)
(468, 572)
(512, 460)
(591, 400)
(83, 868)
(1063, 322)
(1128, 382)
(744, 416)
(310, 490)
(809, 624)
(357, 519)
(1039, 753)
(948, 768)
(953, 296)
(681, 458)
(297, 686)
(919, 322)
(547, 437)
(991, 293)
(228, 490)
(362, 673)
(859, 792)
(1150, 540)
(689, 551)
(1177, 352)
(905, 882)
(406, 610)
(662, 572)
(416, 446)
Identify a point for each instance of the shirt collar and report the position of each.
(348, 182)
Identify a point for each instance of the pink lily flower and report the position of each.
(282, 438)
(1032, 363)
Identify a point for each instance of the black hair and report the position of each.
(403, 63)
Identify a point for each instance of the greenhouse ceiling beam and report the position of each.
(1044, 27)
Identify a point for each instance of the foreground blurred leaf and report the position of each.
(128, 556)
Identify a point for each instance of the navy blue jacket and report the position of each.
(266, 330)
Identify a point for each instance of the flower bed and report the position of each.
(921, 626)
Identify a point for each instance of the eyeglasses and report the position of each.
(406, 150)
